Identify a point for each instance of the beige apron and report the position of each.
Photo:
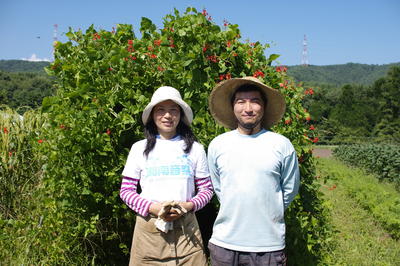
(181, 246)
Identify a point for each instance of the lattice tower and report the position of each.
(304, 59)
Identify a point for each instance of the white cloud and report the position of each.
(34, 58)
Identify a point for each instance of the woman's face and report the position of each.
(166, 116)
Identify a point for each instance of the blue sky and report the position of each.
(338, 32)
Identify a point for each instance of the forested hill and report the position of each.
(336, 75)
(339, 75)
(23, 66)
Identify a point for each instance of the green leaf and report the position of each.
(273, 57)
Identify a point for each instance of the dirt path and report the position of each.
(322, 153)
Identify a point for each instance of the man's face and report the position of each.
(248, 108)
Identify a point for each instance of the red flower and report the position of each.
(332, 187)
(235, 54)
(5, 130)
(110, 69)
(281, 69)
(160, 68)
(96, 36)
(153, 56)
(40, 141)
(228, 76)
(212, 58)
(288, 121)
(157, 42)
(10, 153)
(150, 48)
(315, 140)
(130, 42)
(310, 91)
(258, 74)
(228, 44)
(226, 23)
(62, 126)
(108, 132)
(171, 43)
(132, 57)
(308, 118)
(205, 12)
(221, 77)
(312, 127)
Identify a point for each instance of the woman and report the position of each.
(170, 166)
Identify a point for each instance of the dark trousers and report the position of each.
(226, 257)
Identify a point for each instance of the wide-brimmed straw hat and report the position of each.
(221, 107)
(168, 93)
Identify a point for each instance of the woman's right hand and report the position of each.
(172, 215)
(155, 208)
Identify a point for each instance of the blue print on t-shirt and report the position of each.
(180, 167)
(168, 170)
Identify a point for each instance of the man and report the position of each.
(254, 172)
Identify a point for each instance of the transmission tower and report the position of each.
(304, 59)
(55, 37)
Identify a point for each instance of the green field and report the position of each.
(360, 238)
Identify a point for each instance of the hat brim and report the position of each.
(222, 111)
(188, 113)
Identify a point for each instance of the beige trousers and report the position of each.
(181, 246)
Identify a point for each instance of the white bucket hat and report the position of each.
(168, 93)
(221, 106)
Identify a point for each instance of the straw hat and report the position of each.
(168, 93)
(221, 107)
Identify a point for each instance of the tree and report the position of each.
(388, 97)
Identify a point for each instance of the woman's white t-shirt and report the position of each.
(168, 173)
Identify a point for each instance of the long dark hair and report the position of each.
(150, 132)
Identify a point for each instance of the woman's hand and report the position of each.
(188, 206)
(155, 208)
(169, 214)
(172, 215)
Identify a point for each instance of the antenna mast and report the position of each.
(304, 59)
(55, 39)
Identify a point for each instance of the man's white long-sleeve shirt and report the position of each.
(255, 177)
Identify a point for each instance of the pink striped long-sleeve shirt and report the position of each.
(133, 200)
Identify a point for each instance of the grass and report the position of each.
(329, 147)
(360, 238)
